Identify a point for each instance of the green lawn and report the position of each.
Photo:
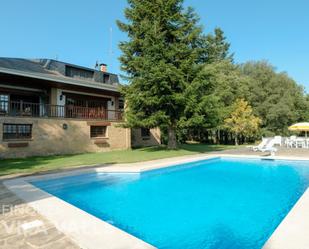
(39, 164)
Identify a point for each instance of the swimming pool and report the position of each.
(218, 203)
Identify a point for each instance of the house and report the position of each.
(52, 107)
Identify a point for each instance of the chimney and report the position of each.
(103, 67)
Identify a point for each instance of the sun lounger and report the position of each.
(270, 147)
(261, 145)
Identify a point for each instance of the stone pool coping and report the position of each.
(90, 232)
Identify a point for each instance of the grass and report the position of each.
(39, 164)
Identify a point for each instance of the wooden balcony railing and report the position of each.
(26, 109)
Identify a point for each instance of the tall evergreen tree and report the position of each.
(217, 84)
(160, 60)
(216, 47)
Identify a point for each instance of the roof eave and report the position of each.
(57, 79)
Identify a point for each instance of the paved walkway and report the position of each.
(282, 151)
(23, 228)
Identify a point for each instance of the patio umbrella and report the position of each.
(300, 127)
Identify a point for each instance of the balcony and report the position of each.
(26, 109)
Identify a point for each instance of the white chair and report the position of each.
(278, 140)
(261, 145)
(307, 143)
(300, 143)
(291, 142)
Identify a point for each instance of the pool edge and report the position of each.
(57, 210)
(117, 238)
(295, 225)
(86, 230)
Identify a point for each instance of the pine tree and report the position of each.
(159, 59)
(213, 86)
(216, 47)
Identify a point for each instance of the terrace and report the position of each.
(39, 110)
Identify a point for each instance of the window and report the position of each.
(120, 104)
(106, 78)
(78, 73)
(4, 103)
(85, 100)
(145, 132)
(17, 131)
(97, 131)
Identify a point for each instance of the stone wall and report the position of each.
(138, 140)
(49, 137)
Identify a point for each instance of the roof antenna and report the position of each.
(56, 57)
(110, 52)
(111, 40)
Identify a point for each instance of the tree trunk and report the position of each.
(226, 138)
(171, 144)
(236, 139)
(214, 137)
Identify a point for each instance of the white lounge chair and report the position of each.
(270, 147)
(261, 145)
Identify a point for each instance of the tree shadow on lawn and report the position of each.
(39, 164)
(198, 148)
(202, 148)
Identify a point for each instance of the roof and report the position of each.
(53, 70)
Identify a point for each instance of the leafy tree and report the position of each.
(160, 59)
(276, 98)
(215, 71)
(210, 96)
(242, 122)
(184, 81)
(306, 113)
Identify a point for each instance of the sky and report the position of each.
(83, 32)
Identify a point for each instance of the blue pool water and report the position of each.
(210, 204)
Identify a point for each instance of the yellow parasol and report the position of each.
(300, 127)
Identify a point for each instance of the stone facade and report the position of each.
(62, 136)
(70, 136)
(138, 140)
